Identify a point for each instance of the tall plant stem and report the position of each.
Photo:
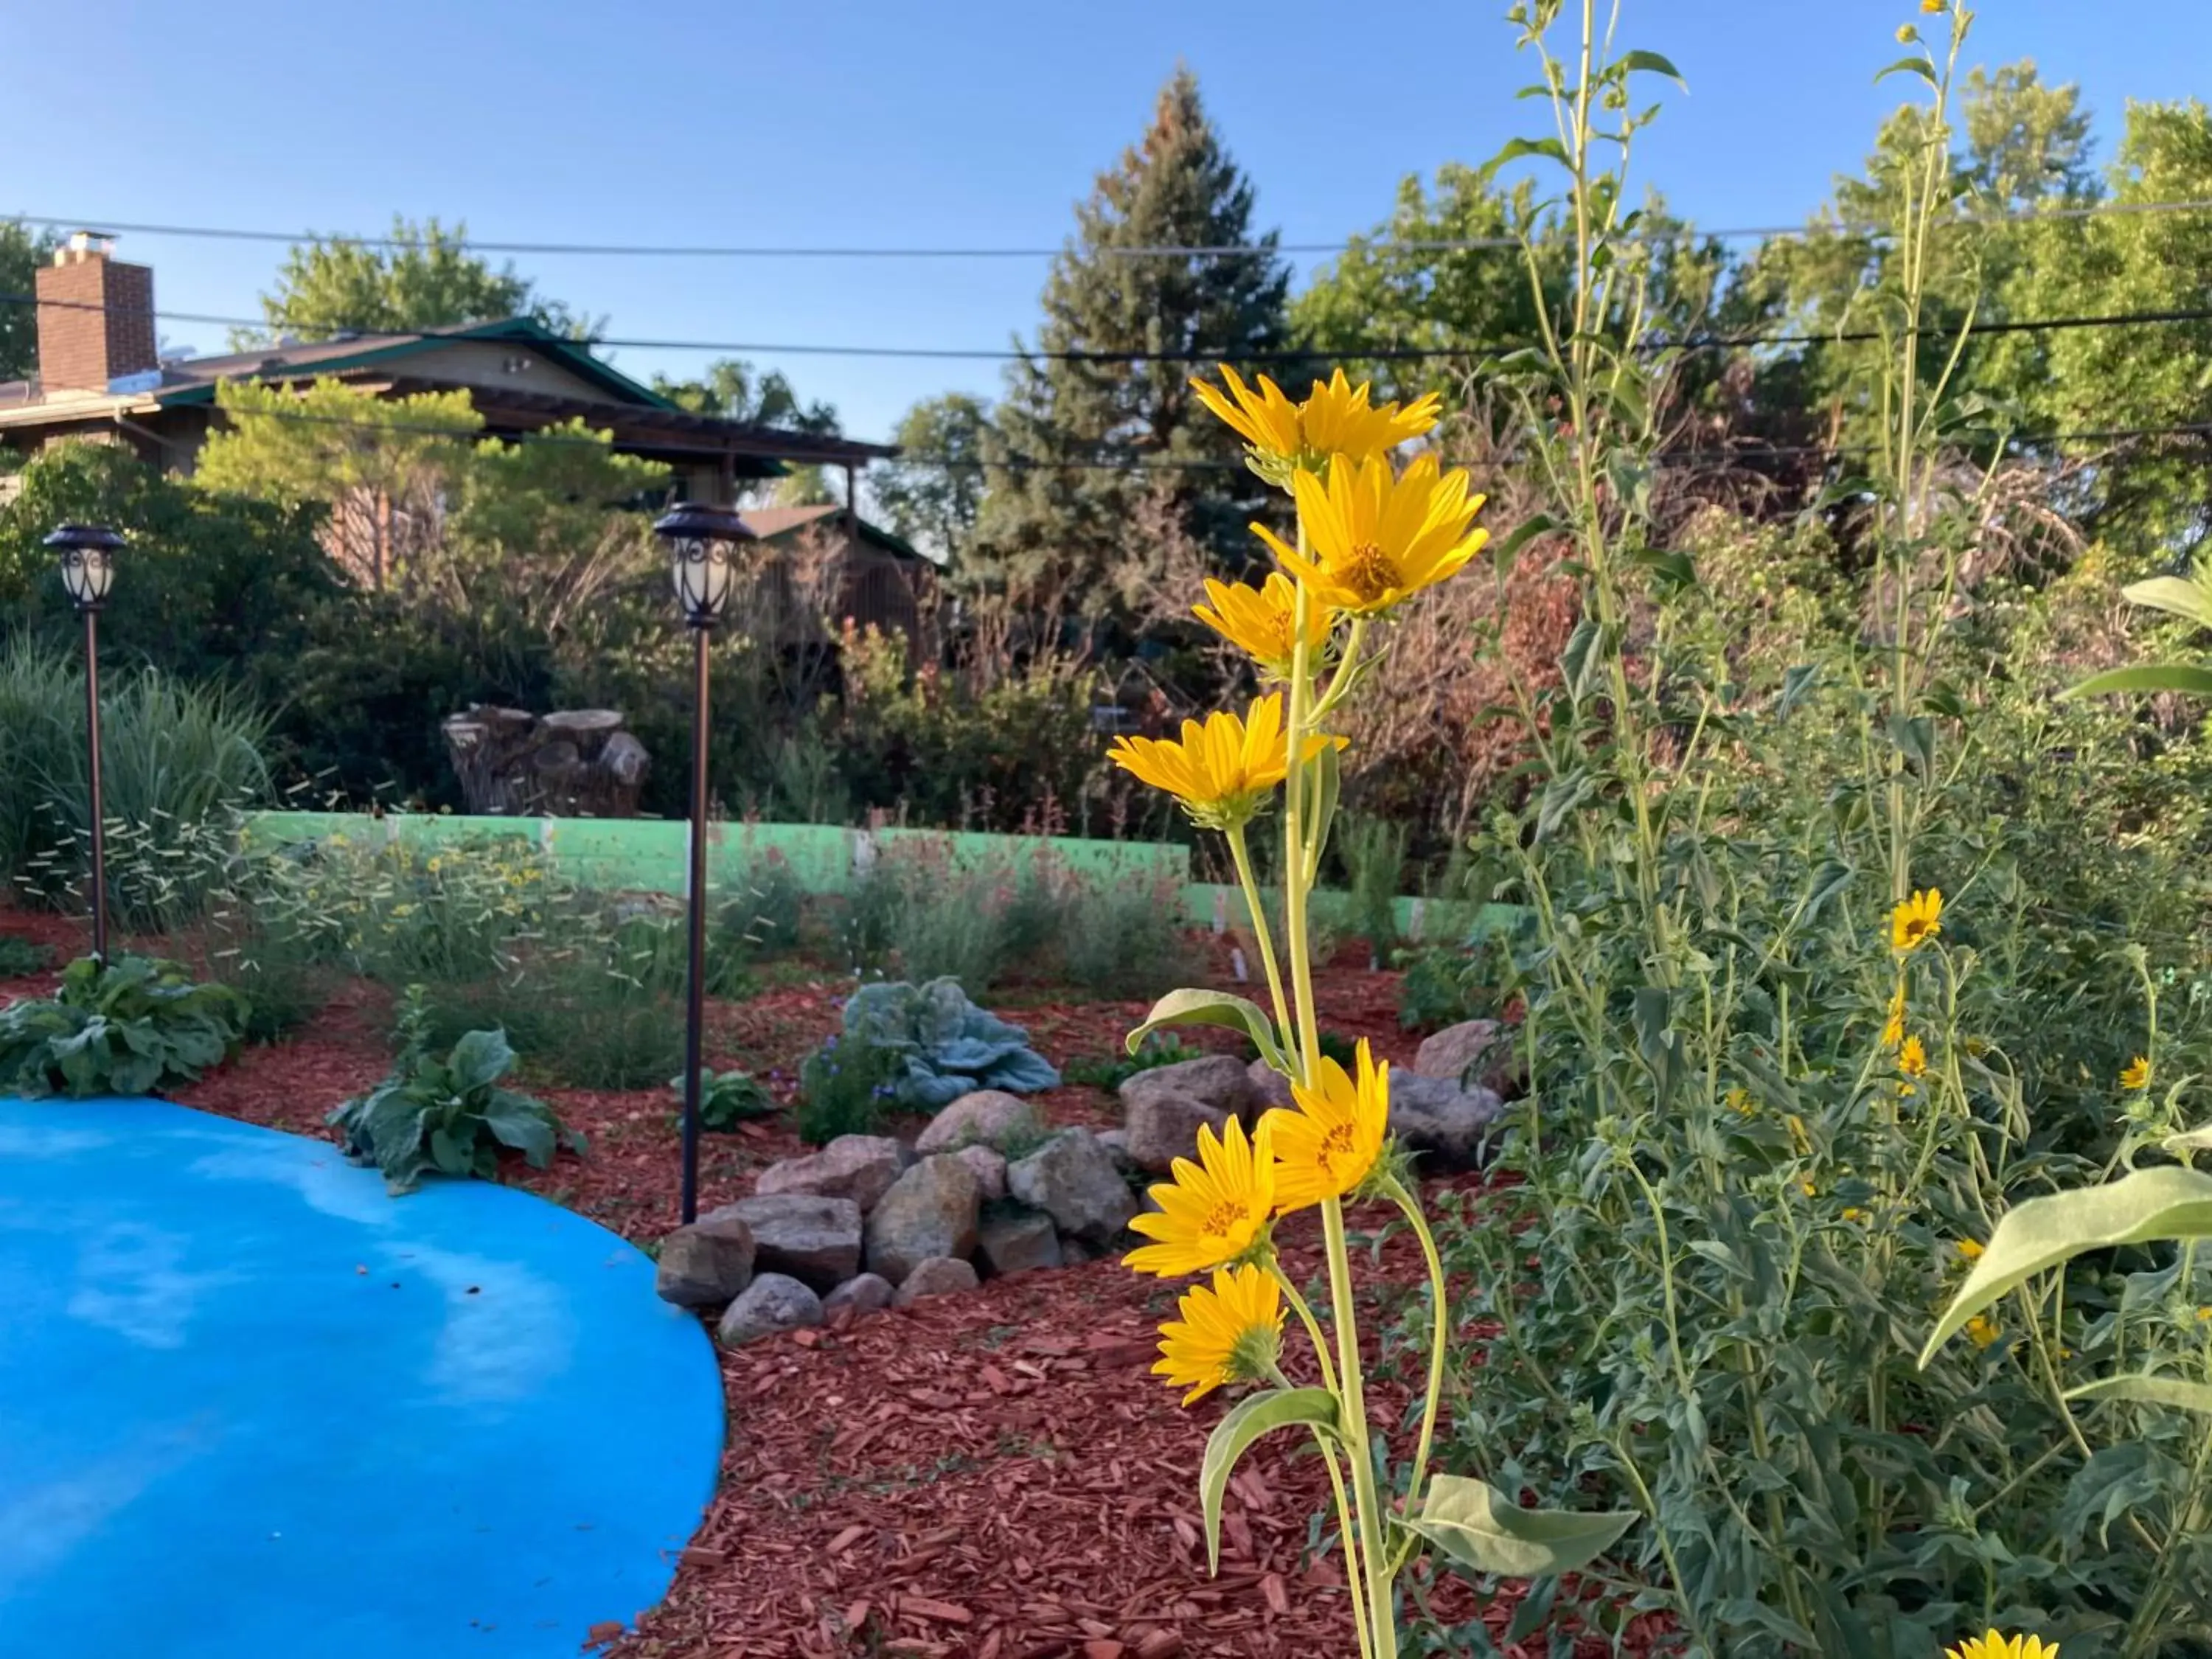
(1240, 853)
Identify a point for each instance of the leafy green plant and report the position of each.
(945, 1045)
(1441, 985)
(846, 1088)
(1110, 1072)
(1123, 935)
(125, 1027)
(450, 1115)
(2188, 598)
(20, 957)
(726, 1098)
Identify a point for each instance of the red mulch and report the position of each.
(993, 1475)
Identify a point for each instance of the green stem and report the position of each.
(1241, 853)
(1440, 1307)
(1305, 1313)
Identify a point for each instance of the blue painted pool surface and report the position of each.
(250, 1406)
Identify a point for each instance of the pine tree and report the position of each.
(1056, 538)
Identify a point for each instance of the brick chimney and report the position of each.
(95, 316)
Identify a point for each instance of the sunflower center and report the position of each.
(1223, 1220)
(1336, 1146)
(1368, 571)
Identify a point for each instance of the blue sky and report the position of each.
(978, 123)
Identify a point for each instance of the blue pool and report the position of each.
(252, 1408)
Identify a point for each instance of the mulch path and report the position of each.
(994, 1475)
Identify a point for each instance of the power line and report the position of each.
(1357, 352)
(1657, 235)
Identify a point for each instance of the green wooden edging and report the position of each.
(647, 855)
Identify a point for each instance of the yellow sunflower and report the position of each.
(1326, 1144)
(1262, 621)
(1377, 539)
(1231, 1332)
(1982, 1330)
(1994, 1646)
(1220, 771)
(2135, 1074)
(1915, 922)
(1214, 1210)
(1282, 438)
(1912, 1058)
(1969, 1249)
(1893, 1029)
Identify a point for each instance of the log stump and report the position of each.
(577, 763)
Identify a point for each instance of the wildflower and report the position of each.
(1911, 1058)
(1856, 1215)
(1220, 771)
(1906, 35)
(2135, 1074)
(1738, 1100)
(1994, 1646)
(1377, 540)
(1214, 1211)
(1893, 1029)
(1982, 1330)
(1969, 1249)
(1915, 922)
(1282, 439)
(1262, 621)
(2203, 1315)
(1810, 1189)
(1327, 1145)
(1229, 1333)
(1929, 7)
(1798, 1138)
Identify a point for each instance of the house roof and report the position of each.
(773, 523)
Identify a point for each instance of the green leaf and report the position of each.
(2174, 595)
(1915, 739)
(1502, 552)
(479, 1059)
(1484, 1531)
(2145, 1389)
(1196, 1005)
(1515, 149)
(519, 1122)
(1797, 683)
(2150, 1204)
(1651, 62)
(1561, 796)
(1261, 1414)
(2189, 680)
(1578, 662)
(1919, 66)
(1830, 879)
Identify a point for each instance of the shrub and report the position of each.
(123, 1029)
(1123, 936)
(20, 958)
(727, 1099)
(575, 1012)
(1441, 985)
(1110, 1072)
(946, 1046)
(846, 1088)
(447, 1116)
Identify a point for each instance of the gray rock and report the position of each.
(1479, 1053)
(1270, 1087)
(1017, 1244)
(988, 1117)
(705, 1264)
(1073, 1253)
(866, 1293)
(858, 1167)
(989, 1168)
(1071, 1178)
(814, 1240)
(936, 1275)
(1116, 1142)
(1215, 1080)
(1163, 1126)
(771, 1303)
(1441, 1120)
(929, 1211)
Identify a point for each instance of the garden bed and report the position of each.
(993, 1474)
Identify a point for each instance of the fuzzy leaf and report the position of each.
(2147, 1390)
(1652, 62)
(1250, 1419)
(2164, 1203)
(2183, 677)
(2174, 595)
(1484, 1531)
(1194, 1005)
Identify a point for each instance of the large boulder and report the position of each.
(936, 1275)
(814, 1240)
(1017, 1244)
(1270, 1088)
(1444, 1122)
(930, 1211)
(858, 1167)
(770, 1305)
(1480, 1052)
(705, 1264)
(987, 1117)
(1163, 1126)
(1215, 1080)
(1073, 1180)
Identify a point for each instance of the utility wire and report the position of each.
(1350, 352)
(1265, 249)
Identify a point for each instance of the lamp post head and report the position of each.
(699, 539)
(88, 554)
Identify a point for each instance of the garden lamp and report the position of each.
(88, 554)
(699, 539)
